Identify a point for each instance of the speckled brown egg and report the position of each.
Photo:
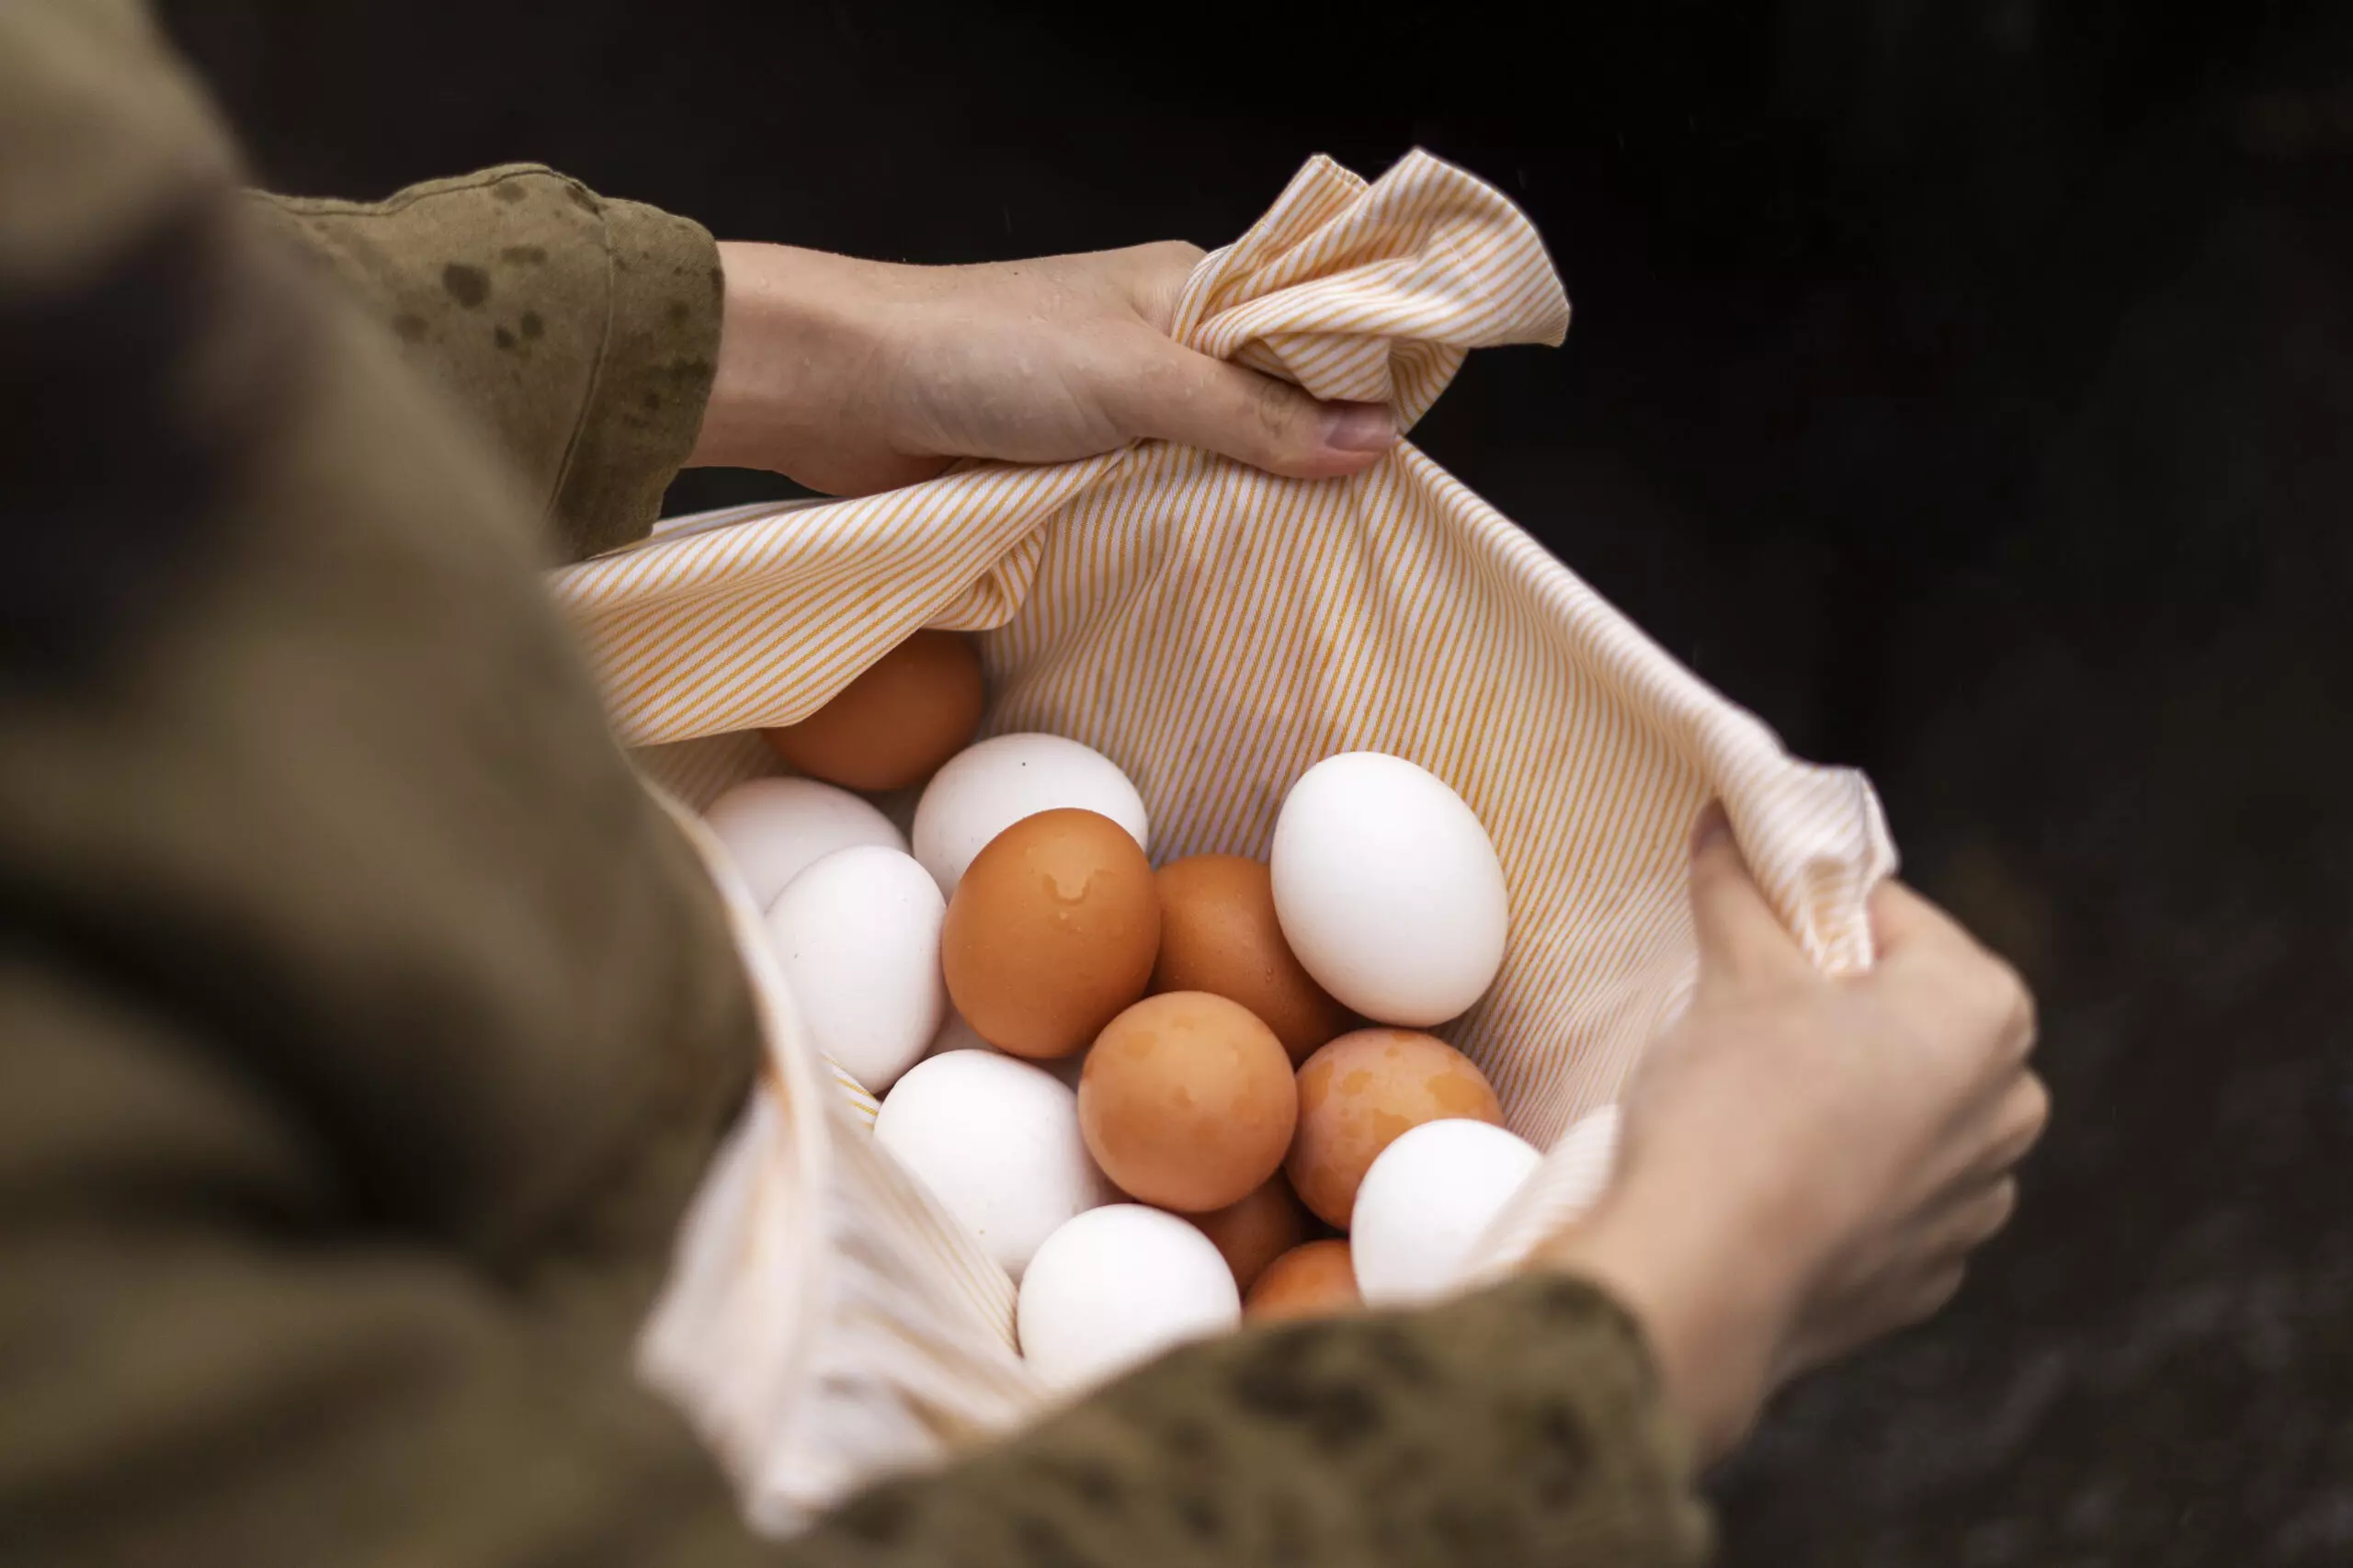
(1188, 1101)
(1219, 934)
(1358, 1093)
(1051, 933)
(1315, 1280)
(1254, 1232)
(911, 710)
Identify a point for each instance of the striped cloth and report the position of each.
(1214, 630)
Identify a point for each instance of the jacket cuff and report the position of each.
(653, 376)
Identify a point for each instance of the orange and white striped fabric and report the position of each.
(1214, 630)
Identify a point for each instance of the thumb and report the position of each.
(1739, 935)
(1196, 401)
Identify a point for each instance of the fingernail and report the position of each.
(1359, 427)
(1712, 828)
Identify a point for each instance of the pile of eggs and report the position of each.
(1164, 1100)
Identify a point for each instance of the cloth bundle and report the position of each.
(1214, 630)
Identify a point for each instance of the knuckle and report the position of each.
(2001, 1206)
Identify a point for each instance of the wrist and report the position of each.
(795, 351)
(1715, 1302)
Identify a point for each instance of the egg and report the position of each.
(1051, 933)
(1389, 889)
(988, 788)
(997, 1141)
(857, 938)
(903, 716)
(1219, 934)
(1188, 1101)
(1115, 1287)
(1358, 1093)
(1254, 1232)
(775, 828)
(1428, 1197)
(1313, 1280)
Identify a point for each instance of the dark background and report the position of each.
(1966, 387)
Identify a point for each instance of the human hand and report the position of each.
(1806, 1163)
(855, 375)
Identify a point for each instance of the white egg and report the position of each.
(997, 1139)
(1388, 890)
(1117, 1285)
(986, 788)
(857, 936)
(1426, 1201)
(775, 828)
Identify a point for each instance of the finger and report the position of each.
(2014, 1127)
(1738, 932)
(1196, 401)
(1965, 1222)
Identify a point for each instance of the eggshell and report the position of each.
(1389, 889)
(1431, 1195)
(903, 717)
(1115, 1287)
(1219, 934)
(857, 936)
(776, 828)
(1362, 1090)
(987, 787)
(1316, 1280)
(1188, 1101)
(1259, 1229)
(1051, 933)
(996, 1140)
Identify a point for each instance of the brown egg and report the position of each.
(1188, 1101)
(1254, 1232)
(1311, 1281)
(1361, 1091)
(1217, 934)
(1051, 933)
(911, 710)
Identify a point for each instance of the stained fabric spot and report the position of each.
(880, 1518)
(690, 370)
(531, 326)
(502, 338)
(409, 329)
(523, 256)
(1336, 1412)
(1092, 1482)
(1189, 1439)
(511, 190)
(470, 286)
(1401, 1354)
(1045, 1544)
(651, 401)
(677, 313)
(1555, 1453)
(1201, 1516)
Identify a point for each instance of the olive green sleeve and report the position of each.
(1520, 1427)
(578, 333)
